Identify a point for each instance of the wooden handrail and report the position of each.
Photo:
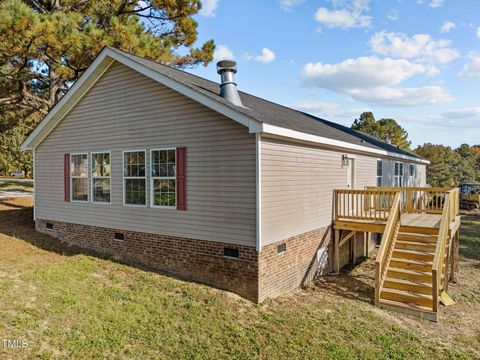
(439, 258)
(386, 247)
(372, 204)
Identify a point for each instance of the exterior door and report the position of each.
(351, 174)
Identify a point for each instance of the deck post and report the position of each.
(454, 256)
(337, 251)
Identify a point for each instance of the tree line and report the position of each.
(448, 166)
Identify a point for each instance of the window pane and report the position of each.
(80, 189)
(101, 190)
(163, 163)
(379, 168)
(78, 165)
(135, 191)
(101, 164)
(134, 164)
(164, 192)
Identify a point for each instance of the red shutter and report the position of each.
(181, 178)
(66, 177)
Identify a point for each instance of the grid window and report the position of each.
(134, 175)
(163, 178)
(101, 173)
(379, 172)
(79, 177)
(399, 174)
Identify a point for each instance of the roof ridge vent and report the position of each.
(228, 87)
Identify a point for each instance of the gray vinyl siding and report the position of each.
(297, 183)
(125, 110)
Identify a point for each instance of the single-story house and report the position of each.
(196, 179)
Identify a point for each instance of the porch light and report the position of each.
(344, 160)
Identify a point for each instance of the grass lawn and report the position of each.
(11, 184)
(69, 304)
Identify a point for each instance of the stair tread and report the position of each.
(409, 282)
(409, 271)
(414, 251)
(419, 243)
(406, 306)
(407, 293)
(411, 261)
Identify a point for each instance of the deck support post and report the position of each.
(337, 251)
(454, 256)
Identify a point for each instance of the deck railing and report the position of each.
(428, 200)
(387, 245)
(363, 204)
(441, 258)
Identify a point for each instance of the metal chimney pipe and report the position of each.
(228, 88)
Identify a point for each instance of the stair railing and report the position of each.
(440, 264)
(387, 245)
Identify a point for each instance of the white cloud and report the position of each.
(472, 69)
(447, 26)
(347, 14)
(420, 47)
(266, 57)
(360, 73)
(432, 3)
(388, 96)
(372, 80)
(466, 113)
(287, 5)
(478, 32)
(393, 15)
(223, 52)
(329, 109)
(209, 8)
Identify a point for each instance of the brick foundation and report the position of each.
(306, 255)
(196, 260)
(255, 276)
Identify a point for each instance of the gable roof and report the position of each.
(259, 115)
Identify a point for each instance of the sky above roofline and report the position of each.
(417, 61)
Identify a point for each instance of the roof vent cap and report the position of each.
(228, 87)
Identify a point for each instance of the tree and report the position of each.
(384, 129)
(467, 167)
(45, 45)
(444, 163)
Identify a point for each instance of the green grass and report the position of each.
(9, 184)
(72, 305)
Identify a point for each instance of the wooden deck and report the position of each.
(418, 254)
(423, 222)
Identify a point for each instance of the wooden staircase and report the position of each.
(412, 267)
(407, 286)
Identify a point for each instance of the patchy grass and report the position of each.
(70, 304)
(10, 184)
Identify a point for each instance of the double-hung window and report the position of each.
(163, 180)
(101, 173)
(379, 172)
(134, 178)
(399, 174)
(79, 177)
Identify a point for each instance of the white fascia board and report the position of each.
(293, 134)
(97, 69)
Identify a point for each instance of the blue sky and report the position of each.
(417, 61)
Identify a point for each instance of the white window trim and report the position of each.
(399, 176)
(79, 177)
(152, 178)
(100, 177)
(380, 176)
(134, 177)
